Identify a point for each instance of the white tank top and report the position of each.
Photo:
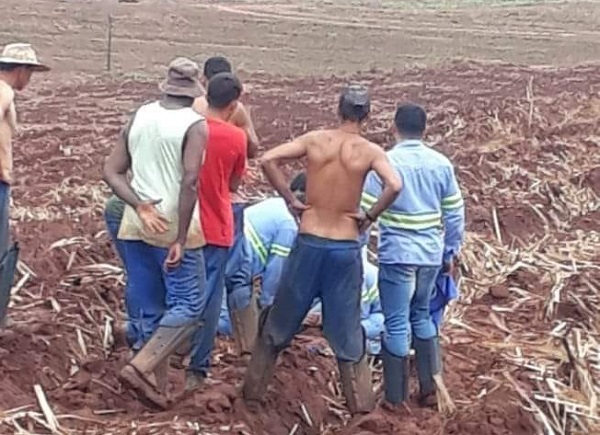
(155, 145)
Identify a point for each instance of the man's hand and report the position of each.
(174, 256)
(296, 207)
(363, 220)
(152, 220)
(449, 267)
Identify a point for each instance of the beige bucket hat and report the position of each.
(22, 54)
(182, 79)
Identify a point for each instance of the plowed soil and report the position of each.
(510, 158)
(524, 141)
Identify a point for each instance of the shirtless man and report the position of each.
(326, 259)
(17, 63)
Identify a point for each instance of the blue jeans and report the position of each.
(332, 271)
(4, 217)
(405, 292)
(132, 333)
(215, 258)
(112, 225)
(162, 297)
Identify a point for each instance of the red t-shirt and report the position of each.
(225, 158)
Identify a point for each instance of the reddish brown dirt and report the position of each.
(477, 118)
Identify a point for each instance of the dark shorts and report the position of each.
(332, 271)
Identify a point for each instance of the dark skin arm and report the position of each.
(116, 167)
(115, 175)
(241, 118)
(270, 165)
(193, 155)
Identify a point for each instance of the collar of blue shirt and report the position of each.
(409, 143)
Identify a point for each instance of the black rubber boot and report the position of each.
(396, 375)
(429, 364)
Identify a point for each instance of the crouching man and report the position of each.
(163, 147)
(259, 256)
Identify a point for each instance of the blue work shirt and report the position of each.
(270, 231)
(425, 224)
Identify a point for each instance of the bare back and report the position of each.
(338, 163)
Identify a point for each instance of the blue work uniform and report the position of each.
(420, 231)
(269, 233)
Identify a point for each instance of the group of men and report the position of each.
(200, 259)
(198, 262)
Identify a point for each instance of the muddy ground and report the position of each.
(525, 145)
(521, 344)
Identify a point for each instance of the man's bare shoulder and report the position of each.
(200, 105)
(7, 94)
(241, 116)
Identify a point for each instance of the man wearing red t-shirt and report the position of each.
(220, 176)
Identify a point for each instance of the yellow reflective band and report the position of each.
(280, 250)
(255, 242)
(452, 202)
(370, 295)
(411, 221)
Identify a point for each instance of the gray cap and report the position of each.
(355, 101)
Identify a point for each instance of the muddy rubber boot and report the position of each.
(193, 381)
(357, 385)
(396, 375)
(150, 362)
(179, 358)
(429, 364)
(244, 323)
(261, 366)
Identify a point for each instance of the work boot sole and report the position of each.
(144, 390)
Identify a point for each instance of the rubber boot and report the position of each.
(262, 364)
(194, 380)
(357, 385)
(150, 362)
(244, 323)
(396, 375)
(429, 364)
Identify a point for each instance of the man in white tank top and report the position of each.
(163, 147)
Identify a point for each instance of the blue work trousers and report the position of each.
(4, 217)
(405, 292)
(332, 271)
(158, 296)
(215, 258)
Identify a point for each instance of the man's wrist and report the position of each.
(369, 214)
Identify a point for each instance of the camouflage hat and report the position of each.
(22, 54)
(182, 79)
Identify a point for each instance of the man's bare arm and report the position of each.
(271, 159)
(193, 153)
(391, 183)
(241, 118)
(115, 170)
